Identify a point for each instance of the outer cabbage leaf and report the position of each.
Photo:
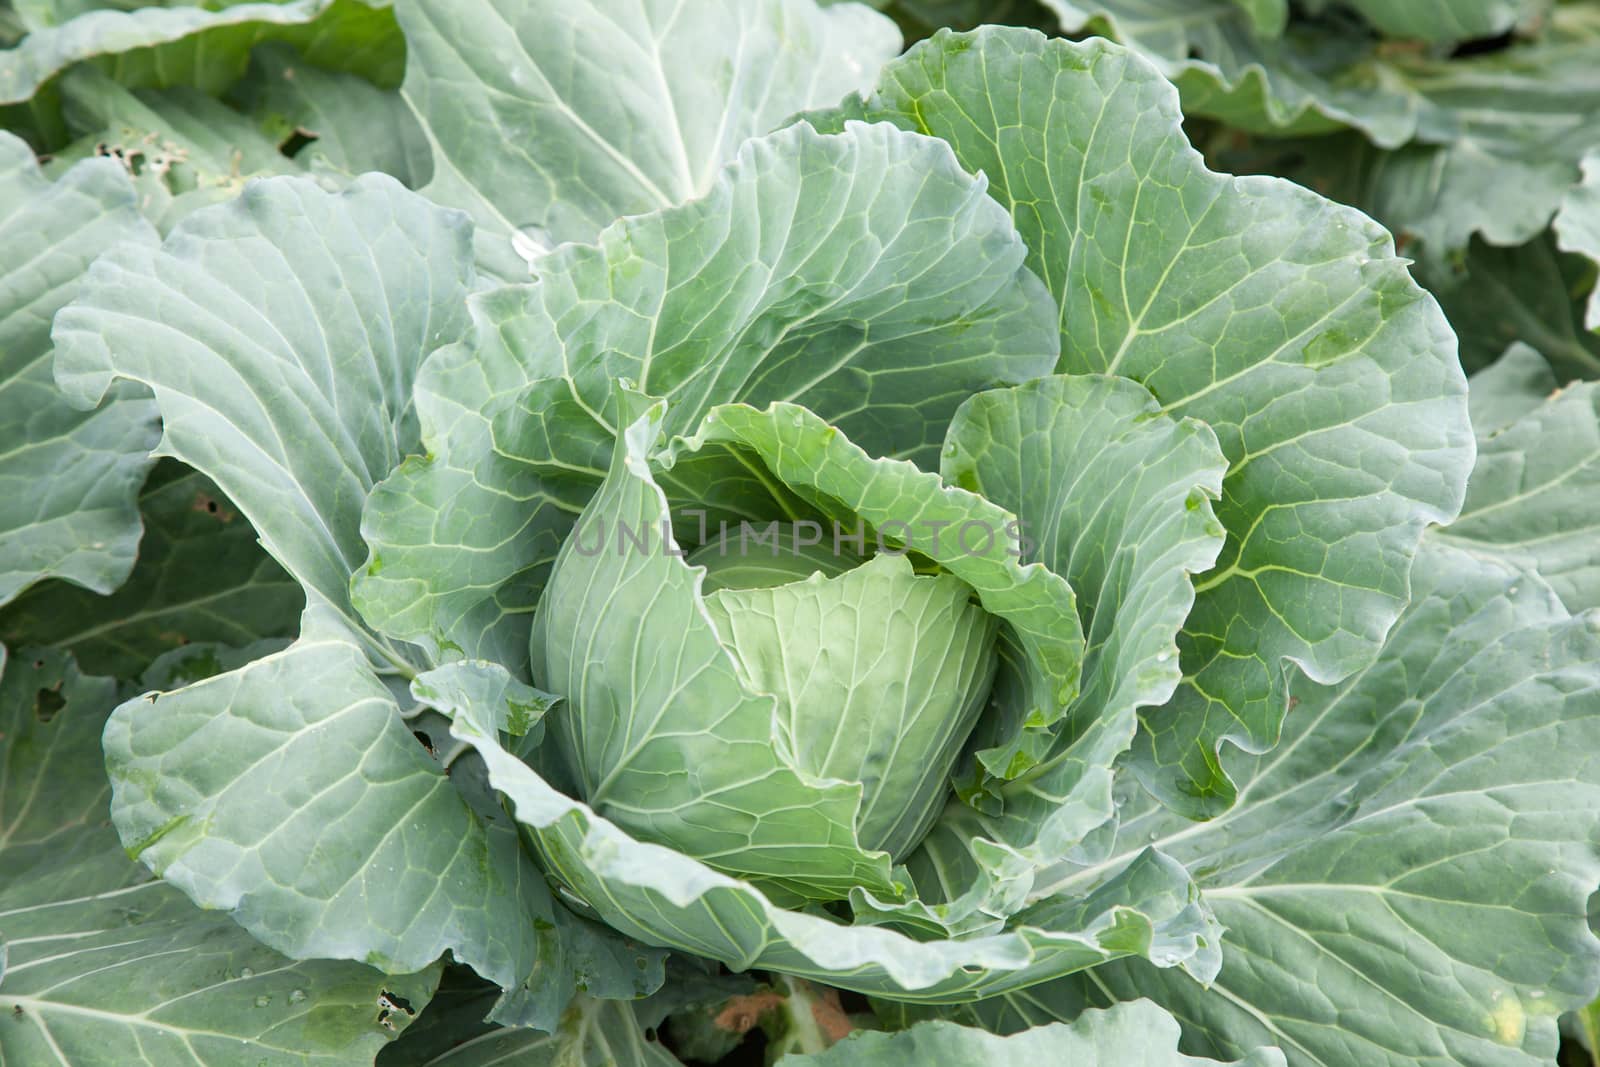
(1502, 137)
(1437, 197)
(1405, 878)
(1499, 135)
(1314, 78)
(1133, 1033)
(208, 49)
(1494, 295)
(199, 660)
(919, 18)
(182, 149)
(1450, 20)
(1533, 495)
(1513, 387)
(264, 320)
(106, 966)
(548, 122)
(280, 333)
(1578, 225)
(355, 126)
(186, 150)
(1281, 320)
(892, 291)
(43, 14)
(456, 1015)
(291, 793)
(1269, 18)
(594, 1032)
(1498, 296)
(200, 576)
(68, 479)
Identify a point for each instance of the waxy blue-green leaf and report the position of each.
(1534, 496)
(1450, 20)
(183, 149)
(1501, 138)
(281, 333)
(1267, 17)
(919, 18)
(1308, 79)
(43, 14)
(1514, 386)
(201, 576)
(1405, 879)
(199, 660)
(456, 1015)
(203, 48)
(1438, 197)
(1577, 225)
(593, 1033)
(105, 966)
(1124, 1034)
(893, 291)
(291, 794)
(68, 478)
(281, 351)
(1482, 144)
(1496, 297)
(1283, 321)
(355, 126)
(11, 27)
(455, 1032)
(549, 122)
(186, 150)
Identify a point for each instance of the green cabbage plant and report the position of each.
(947, 546)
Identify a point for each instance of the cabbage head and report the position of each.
(869, 563)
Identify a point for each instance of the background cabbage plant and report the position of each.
(1209, 673)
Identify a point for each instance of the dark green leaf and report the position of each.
(105, 967)
(201, 576)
